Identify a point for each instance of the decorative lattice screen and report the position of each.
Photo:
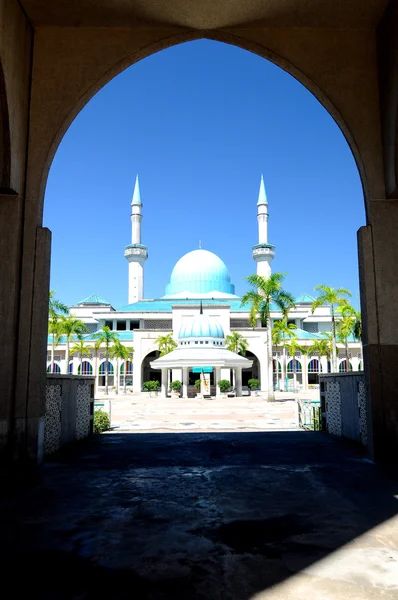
(157, 324)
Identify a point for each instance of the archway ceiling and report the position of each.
(207, 14)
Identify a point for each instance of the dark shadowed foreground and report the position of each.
(231, 516)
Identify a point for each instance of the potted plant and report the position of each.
(175, 387)
(254, 385)
(224, 385)
(151, 386)
(197, 387)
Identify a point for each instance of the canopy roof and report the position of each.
(199, 356)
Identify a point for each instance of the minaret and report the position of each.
(263, 252)
(136, 253)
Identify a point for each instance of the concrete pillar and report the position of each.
(217, 379)
(165, 373)
(185, 382)
(238, 381)
(378, 260)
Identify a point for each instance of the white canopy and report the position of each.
(198, 356)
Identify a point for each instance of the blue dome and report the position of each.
(202, 326)
(200, 271)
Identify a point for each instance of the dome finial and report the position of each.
(200, 244)
(136, 195)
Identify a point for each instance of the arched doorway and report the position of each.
(147, 373)
(254, 372)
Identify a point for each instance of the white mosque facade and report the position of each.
(199, 308)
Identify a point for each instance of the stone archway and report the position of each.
(5, 153)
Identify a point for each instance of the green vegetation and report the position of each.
(56, 309)
(235, 342)
(282, 331)
(151, 386)
(106, 338)
(166, 344)
(264, 293)
(224, 385)
(176, 385)
(120, 352)
(101, 421)
(197, 384)
(322, 348)
(253, 384)
(335, 298)
(81, 349)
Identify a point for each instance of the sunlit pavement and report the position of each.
(287, 515)
(145, 414)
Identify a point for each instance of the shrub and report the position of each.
(224, 385)
(197, 384)
(176, 385)
(253, 384)
(101, 421)
(151, 386)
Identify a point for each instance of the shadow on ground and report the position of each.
(200, 516)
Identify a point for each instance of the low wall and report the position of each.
(69, 410)
(344, 405)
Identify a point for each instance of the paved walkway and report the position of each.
(212, 516)
(144, 414)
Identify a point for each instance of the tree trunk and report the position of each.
(117, 376)
(125, 375)
(284, 369)
(96, 380)
(81, 364)
(334, 351)
(52, 370)
(294, 375)
(106, 371)
(271, 395)
(67, 357)
(347, 356)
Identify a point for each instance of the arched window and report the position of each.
(343, 366)
(102, 368)
(129, 368)
(313, 366)
(57, 368)
(329, 366)
(294, 365)
(85, 368)
(70, 368)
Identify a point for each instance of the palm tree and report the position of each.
(264, 293)
(70, 326)
(335, 298)
(293, 347)
(322, 347)
(106, 337)
(120, 352)
(56, 308)
(235, 342)
(81, 349)
(281, 331)
(349, 324)
(166, 343)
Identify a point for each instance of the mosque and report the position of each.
(199, 308)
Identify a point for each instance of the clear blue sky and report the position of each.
(200, 123)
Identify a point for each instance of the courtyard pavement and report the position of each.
(144, 414)
(288, 515)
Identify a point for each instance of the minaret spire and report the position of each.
(136, 253)
(263, 252)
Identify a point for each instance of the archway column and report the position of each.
(216, 380)
(378, 260)
(185, 382)
(165, 373)
(238, 381)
